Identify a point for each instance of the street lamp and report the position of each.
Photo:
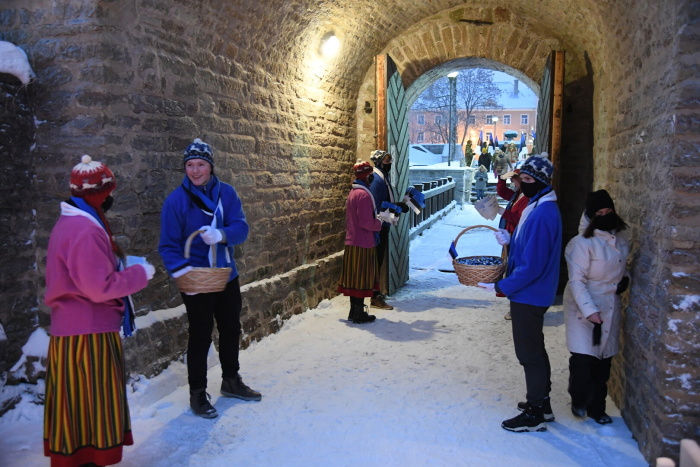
(495, 121)
(453, 117)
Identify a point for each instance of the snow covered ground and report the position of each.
(427, 384)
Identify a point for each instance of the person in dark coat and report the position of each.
(382, 191)
(485, 159)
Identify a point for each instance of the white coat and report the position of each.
(596, 265)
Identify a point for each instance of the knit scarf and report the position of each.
(208, 199)
(129, 320)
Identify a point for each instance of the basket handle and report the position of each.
(503, 250)
(188, 245)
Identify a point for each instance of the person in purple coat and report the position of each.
(360, 275)
(88, 283)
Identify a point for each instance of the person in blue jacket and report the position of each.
(382, 191)
(203, 202)
(531, 285)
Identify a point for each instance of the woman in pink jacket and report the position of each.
(86, 415)
(360, 274)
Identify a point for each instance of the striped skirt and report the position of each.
(360, 275)
(86, 414)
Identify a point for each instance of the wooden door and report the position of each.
(549, 111)
(392, 136)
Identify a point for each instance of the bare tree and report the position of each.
(475, 90)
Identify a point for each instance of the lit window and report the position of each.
(506, 119)
(421, 119)
(523, 119)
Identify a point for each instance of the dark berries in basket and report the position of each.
(481, 261)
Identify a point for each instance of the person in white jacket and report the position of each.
(597, 262)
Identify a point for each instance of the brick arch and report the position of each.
(443, 42)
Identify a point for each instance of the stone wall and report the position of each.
(132, 89)
(19, 299)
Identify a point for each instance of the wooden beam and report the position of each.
(556, 112)
(381, 91)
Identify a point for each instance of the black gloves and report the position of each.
(622, 285)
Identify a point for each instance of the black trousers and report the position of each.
(528, 339)
(202, 309)
(588, 382)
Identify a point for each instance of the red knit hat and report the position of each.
(362, 169)
(91, 178)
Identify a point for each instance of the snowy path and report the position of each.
(427, 384)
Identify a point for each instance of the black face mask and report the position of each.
(108, 202)
(370, 178)
(607, 222)
(531, 189)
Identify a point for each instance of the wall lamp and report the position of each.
(368, 107)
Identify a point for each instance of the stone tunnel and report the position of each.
(132, 82)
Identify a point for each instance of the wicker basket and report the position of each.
(202, 280)
(470, 274)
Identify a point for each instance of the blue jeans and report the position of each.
(479, 194)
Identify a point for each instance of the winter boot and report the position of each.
(199, 402)
(378, 302)
(531, 419)
(546, 409)
(235, 387)
(355, 305)
(361, 316)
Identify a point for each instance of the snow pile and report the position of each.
(14, 61)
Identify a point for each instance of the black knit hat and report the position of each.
(596, 201)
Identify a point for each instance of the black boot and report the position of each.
(361, 316)
(235, 387)
(199, 402)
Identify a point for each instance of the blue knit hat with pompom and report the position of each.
(538, 167)
(198, 149)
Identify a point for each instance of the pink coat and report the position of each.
(360, 219)
(83, 287)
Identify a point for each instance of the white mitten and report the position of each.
(486, 285)
(502, 237)
(211, 235)
(384, 216)
(149, 269)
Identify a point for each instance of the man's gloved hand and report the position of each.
(149, 269)
(403, 206)
(502, 237)
(211, 235)
(622, 285)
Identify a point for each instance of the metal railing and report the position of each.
(438, 193)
